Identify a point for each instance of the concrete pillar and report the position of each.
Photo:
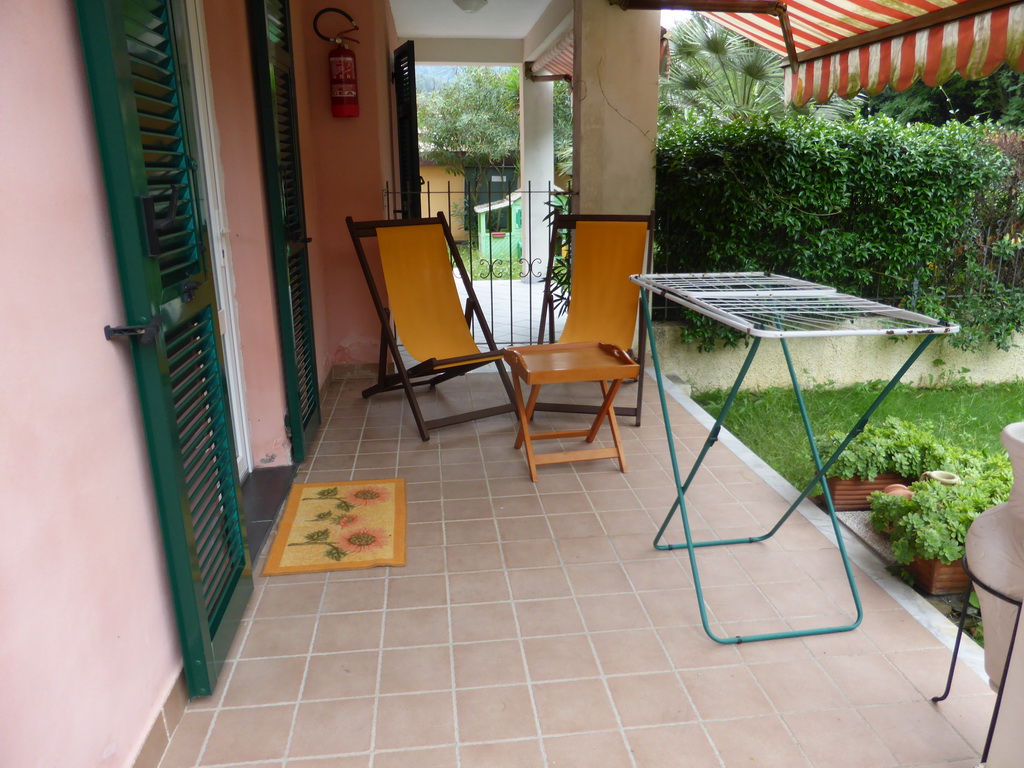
(615, 107)
(537, 159)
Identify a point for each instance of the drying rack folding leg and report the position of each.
(821, 468)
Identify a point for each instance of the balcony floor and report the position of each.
(534, 624)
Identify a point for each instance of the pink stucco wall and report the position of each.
(238, 127)
(88, 647)
(346, 162)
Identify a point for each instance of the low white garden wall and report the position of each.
(842, 361)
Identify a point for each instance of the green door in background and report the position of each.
(142, 126)
(275, 88)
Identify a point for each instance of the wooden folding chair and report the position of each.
(604, 306)
(424, 310)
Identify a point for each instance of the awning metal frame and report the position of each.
(767, 7)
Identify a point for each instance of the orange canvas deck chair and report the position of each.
(423, 309)
(604, 306)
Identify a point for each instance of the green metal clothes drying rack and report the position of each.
(769, 306)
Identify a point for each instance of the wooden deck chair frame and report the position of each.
(546, 334)
(434, 370)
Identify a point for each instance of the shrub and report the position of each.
(888, 446)
(870, 207)
(934, 523)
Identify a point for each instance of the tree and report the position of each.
(714, 72)
(717, 73)
(998, 97)
(473, 120)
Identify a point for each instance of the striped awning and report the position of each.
(557, 58)
(844, 47)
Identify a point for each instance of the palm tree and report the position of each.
(715, 72)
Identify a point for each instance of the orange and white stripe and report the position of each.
(974, 46)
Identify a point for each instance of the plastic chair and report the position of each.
(423, 305)
(604, 305)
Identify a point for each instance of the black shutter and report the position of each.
(408, 132)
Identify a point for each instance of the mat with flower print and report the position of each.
(336, 526)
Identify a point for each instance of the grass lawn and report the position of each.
(769, 423)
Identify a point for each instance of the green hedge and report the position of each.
(872, 207)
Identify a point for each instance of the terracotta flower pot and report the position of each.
(853, 493)
(937, 578)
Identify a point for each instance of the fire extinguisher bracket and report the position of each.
(341, 35)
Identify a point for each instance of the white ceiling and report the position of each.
(499, 19)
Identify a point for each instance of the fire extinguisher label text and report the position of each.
(343, 68)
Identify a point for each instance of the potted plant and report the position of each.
(928, 530)
(889, 451)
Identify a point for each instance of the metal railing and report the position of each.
(506, 256)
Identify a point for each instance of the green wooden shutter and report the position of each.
(407, 131)
(167, 286)
(275, 86)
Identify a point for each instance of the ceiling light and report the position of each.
(470, 6)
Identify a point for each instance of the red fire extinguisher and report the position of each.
(344, 91)
(342, 67)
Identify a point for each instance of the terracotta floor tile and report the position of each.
(798, 686)
(341, 598)
(559, 658)
(606, 612)
(188, 739)
(415, 670)
(650, 699)
(507, 754)
(593, 549)
(916, 733)
(415, 720)
(332, 727)
(588, 750)
(249, 734)
(868, 680)
(486, 621)
(534, 583)
(416, 626)
(506, 578)
(576, 525)
(279, 637)
(725, 693)
(558, 616)
(348, 632)
(761, 741)
(838, 738)
(463, 558)
(470, 532)
(432, 757)
(417, 592)
(289, 600)
(530, 554)
(630, 652)
(662, 746)
(489, 664)
(495, 714)
(927, 671)
(575, 706)
(341, 675)
(483, 587)
(265, 681)
(523, 528)
(897, 631)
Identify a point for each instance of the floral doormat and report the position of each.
(336, 526)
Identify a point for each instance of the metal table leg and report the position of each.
(821, 468)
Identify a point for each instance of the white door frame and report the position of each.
(217, 221)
